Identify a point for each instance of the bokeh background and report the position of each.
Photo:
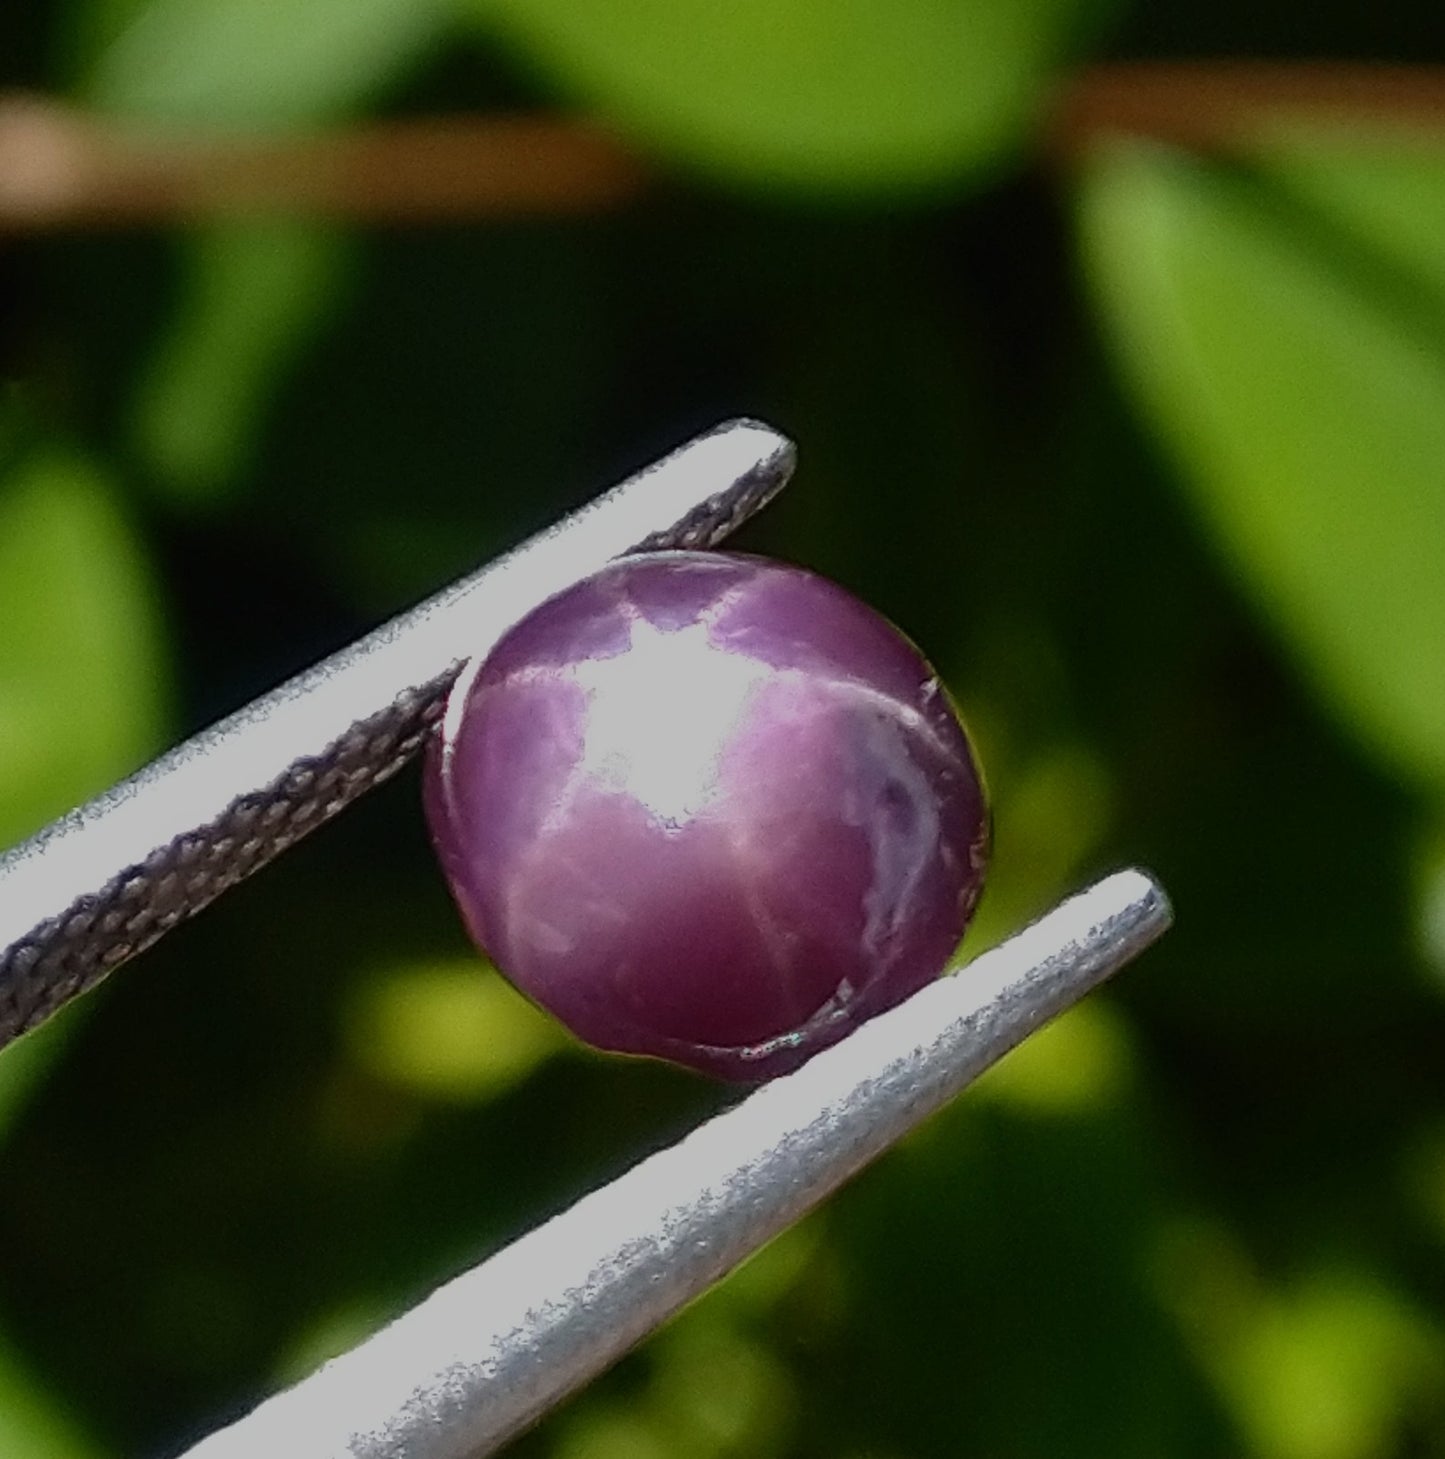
(1119, 383)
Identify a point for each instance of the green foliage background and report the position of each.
(1148, 453)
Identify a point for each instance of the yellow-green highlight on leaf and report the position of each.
(1335, 1364)
(1430, 905)
(82, 669)
(448, 1031)
(769, 1275)
(713, 1392)
(329, 1336)
(1309, 424)
(254, 296)
(1081, 1063)
(1339, 1368)
(1051, 811)
(34, 1425)
(838, 96)
(255, 64)
(601, 1430)
(720, 1391)
(24, 1063)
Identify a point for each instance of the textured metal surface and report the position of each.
(487, 1354)
(109, 879)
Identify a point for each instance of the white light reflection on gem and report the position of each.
(664, 750)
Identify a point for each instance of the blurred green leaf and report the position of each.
(1430, 902)
(1309, 415)
(81, 666)
(844, 95)
(32, 1425)
(1078, 1064)
(1335, 1363)
(449, 1031)
(1051, 811)
(239, 63)
(24, 1064)
(1385, 192)
(254, 297)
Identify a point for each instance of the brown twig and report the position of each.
(60, 167)
(1215, 105)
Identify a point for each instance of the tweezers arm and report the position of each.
(107, 880)
(487, 1354)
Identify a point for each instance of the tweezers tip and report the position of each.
(776, 453)
(1149, 908)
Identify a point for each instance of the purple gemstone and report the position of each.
(709, 808)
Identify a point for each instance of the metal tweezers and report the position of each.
(485, 1355)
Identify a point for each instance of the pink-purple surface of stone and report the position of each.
(709, 808)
